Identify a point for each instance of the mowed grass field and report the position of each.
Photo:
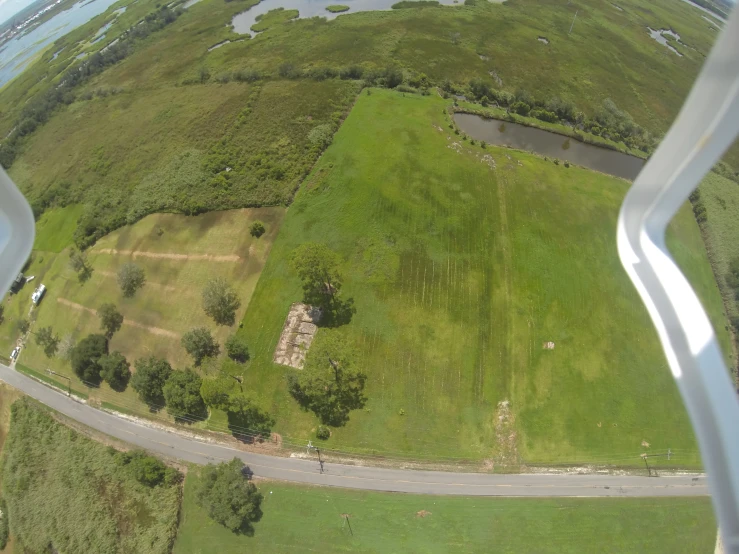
(461, 271)
(309, 519)
(179, 254)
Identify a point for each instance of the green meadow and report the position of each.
(310, 519)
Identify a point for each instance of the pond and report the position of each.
(310, 8)
(709, 12)
(658, 36)
(505, 133)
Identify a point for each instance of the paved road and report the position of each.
(355, 477)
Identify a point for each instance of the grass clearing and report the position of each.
(108, 510)
(337, 8)
(182, 253)
(463, 262)
(55, 228)
(306, 519)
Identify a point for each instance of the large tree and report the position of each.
(131, 278)
(220, 301)
(216, 392)
(318, 268)
(78, 263)
(199, 343)
(228, 497)
(110, 319)
(246, 420)
(86, 356)
(330, 385)
(115, 371)
(182, 395)
(149, 379)
(47, 340)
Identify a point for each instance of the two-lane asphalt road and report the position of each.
(299, 470)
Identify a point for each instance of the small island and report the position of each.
(337, 8)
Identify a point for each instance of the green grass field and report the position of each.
(309, 519)
(66, 491)
(55, 228)
(460, 273)
(167, 306)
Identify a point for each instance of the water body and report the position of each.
(657, 35)
(18, 52)
(504, 133)
(310, 8)
(704, 10)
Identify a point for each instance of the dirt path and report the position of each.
(170, 255)
(152, 330)
(112, 274)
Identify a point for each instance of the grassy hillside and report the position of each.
(463, 262)
(68, 492)
(308, 519)
(179, 254)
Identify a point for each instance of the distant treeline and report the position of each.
(41, 107)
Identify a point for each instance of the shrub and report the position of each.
(237, 349)
(199, 343)
(220, 301)
(323, 432)
(521, 108)
(182, 394)
(114, 370)
(567, 164)
(556, 161)
(147, 469)
(149, 378)
(4, 527)
(227, 496)
(321, 135)
(257, 229)
(544, 115)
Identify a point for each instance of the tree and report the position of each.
(47, 340)
(23, 326)
(317, 266)
(215, 392)
(257, 229)
(115, 371)
(65, 347)
(199, 343)
(246, 420)
(78, 263)
(149, 379)
(147, 469)
(130, 278)
(86, 356)
(329, 385)
(182, 394)
(110, 319)
(220, 301)
(393, 77)
(237, 349)
(228, 497)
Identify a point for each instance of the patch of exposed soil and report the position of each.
(130, 323)
(506, 448)
(423, 513)
(170, 255)
(297, 335)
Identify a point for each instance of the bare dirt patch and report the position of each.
(130, 323)
(113, 275)
(170, 255)
(423, 513)
(506, 449)
(297, 335)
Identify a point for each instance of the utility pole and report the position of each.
(573, 22)
(69, 381)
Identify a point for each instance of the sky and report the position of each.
(8, 8)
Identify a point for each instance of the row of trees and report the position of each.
(608, 120)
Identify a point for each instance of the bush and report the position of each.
(227, 496)
(148, 470)
(149, 379)
(257, 229)
(237, 349)
(544, 115)
(521, 108)
(321, 136)
(114, 370)
(247, 75)
(393, 77)
(323, 432)
(182, 395)
(220, 301)
(4, 527)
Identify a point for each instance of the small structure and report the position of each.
(297, 335)
(548, 345)
(38, 294)
(18, 283)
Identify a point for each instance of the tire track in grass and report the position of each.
(153, 330)
(169, 255)
(507, 264)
